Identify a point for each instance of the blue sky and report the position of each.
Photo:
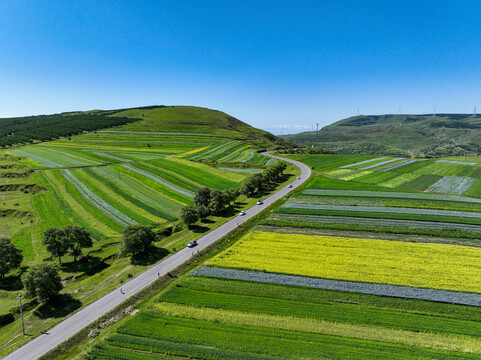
(273, 64)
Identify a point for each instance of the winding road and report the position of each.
(73, 324)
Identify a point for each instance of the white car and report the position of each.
(242, 213)
(260, 202)
(289, 186)
(192, 244)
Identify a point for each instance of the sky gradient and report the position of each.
(273, 64)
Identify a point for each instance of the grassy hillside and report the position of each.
(405, 135)
(143, 171)
(165, 119)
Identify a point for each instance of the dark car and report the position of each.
(192, 244)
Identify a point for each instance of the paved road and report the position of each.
(73, 324)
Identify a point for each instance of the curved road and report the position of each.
(73, 324)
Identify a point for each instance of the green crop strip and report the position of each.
(294, 304)
(116, 200)
(435, 341)
(218, 340)
(128, 197)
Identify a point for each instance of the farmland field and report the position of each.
(228, 317)
(379, 261)
(105, 180)
(361, 269)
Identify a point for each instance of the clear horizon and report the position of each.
(284, 65)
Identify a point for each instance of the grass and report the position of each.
(374, 261)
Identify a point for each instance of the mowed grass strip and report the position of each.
(435, 266)
(206, 339)
(412, 338)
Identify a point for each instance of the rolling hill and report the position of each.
(399, 135)
(166, 119)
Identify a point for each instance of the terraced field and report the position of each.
(105, 180)
(142, 173)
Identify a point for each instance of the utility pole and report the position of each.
(474, 112)
(20, 297)
(317, 134)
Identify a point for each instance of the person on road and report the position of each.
(121, 291)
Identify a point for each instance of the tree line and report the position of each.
(210, 201)
(28, 129)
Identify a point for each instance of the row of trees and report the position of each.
(206, 202)
(259, 182)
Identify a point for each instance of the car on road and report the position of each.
(260, 202)
(242, 213)
(289, 186)
(298, 177)
(192, 244)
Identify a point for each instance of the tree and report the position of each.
(77, 238)
(231, 195)
(189, 215)
(136, 239)
(202, 197)
(248, 187)
(42, 281)
(258, 181)
(56, 241)
(218, 201)
(203, 211)
(10, 257)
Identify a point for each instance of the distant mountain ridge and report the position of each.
(402, 135)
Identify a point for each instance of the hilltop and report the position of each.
(164, 119)
(401, 135)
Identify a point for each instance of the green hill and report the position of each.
(165, 119)
(404, 135)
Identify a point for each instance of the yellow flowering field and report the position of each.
(439, 266)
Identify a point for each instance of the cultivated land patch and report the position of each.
(452, 297)
(435, 266)
(232, 316)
